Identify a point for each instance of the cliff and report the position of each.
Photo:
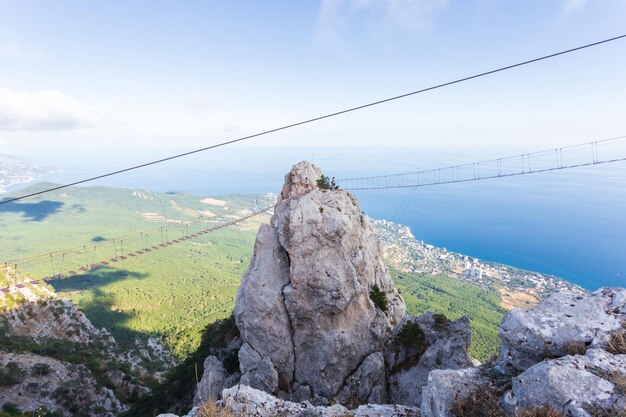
(53, 358)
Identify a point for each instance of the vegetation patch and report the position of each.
(539, 412)
(379, 299)
(616, 344)
(211, 409)
(323, 183)
(171, 293)
(411, 335)
(441, 321)
(40, 369)
(12, 374)
(483, 402)
(575, 347)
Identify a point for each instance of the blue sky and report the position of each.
(162, 76)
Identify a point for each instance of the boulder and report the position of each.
(242, 400)
(421, 344)
(367, 384)
(211, 385)
(301, 179)
(445, 388)
(565, 323)
(317, 299)
(580, 385)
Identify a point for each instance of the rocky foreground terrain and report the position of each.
(321, 330)
(53, 360)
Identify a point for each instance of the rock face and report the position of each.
(446, 387)
(211, 385)
(32, 381)
(555, 355)
(243, 400)
(54, 357)
(420, 345)
(304, 310)
(53, 319)
(562, 324)
(575, 384)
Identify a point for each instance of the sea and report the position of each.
(569, 223)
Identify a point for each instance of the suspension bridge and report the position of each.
(576, 156)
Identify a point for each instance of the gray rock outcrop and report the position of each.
(304, 310)
(446, 388)
(578, 385)
(563, 324)
(51, 329)
(33, 381)
(243, 400)
(555, 355)
(211, 385)
(420, 345)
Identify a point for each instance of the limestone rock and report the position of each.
(367, 384)
(50, 325)
(302, 178)
(576, 384)
(420, 345)
(53, 318)
(38, 381)
(260, 311)
(385, 410)
(446, 387)
(211, 385)
(304, 309)
(257, 371)
(562, 324)
(246, 401)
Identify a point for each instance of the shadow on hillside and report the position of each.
(94, 279)
(103, 311)
(102, 307)
(33, 211)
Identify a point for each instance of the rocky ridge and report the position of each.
(567, 354)
(55, 359)
(579, 372)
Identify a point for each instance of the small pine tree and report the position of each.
(323, 183)
(379, 298)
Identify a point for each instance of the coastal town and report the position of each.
(15, 171)
(407, 254)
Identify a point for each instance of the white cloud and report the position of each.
(335, 15)
(43, 110)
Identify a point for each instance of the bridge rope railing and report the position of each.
(586, 154)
